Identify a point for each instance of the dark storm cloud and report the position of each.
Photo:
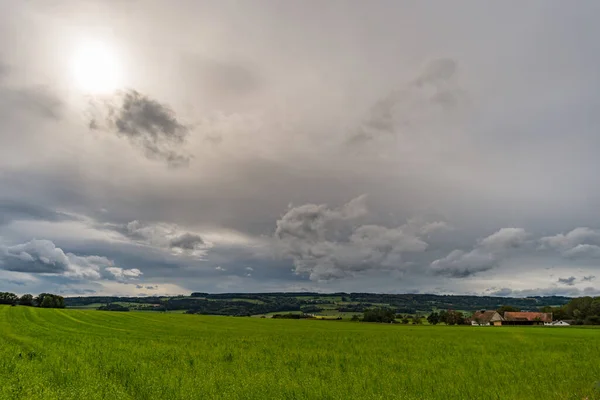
(147, 123)
(570, 281)
(187, 241)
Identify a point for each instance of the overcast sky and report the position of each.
(162, 147)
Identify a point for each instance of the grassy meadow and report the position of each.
(88, 354)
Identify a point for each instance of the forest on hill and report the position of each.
(244, 304)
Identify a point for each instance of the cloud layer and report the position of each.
(234, 154)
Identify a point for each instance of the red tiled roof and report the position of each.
(527, 316)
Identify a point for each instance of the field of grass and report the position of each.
(88, 354)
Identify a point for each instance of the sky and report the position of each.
(156, 148)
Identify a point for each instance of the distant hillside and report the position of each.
(245, 304)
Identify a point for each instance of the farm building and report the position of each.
(557, 323)
(486, 318)
(526, 318)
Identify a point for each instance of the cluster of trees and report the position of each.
(387, 315)
(8, 298)
(85, 300)
(311, 309)
(379, 314)
(239, 304)
(291, 316)
(356, 308)
(49, 300)
(449, 317)
(582, 310)
(44, 300)
(410, 303)
(113, 307)
(452, 317)
(233, 307)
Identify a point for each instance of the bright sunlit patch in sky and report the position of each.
(95, 68)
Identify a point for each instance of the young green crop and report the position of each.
(87, 354)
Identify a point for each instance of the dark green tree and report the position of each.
(443, 316)
(48, 300)
(455, 318)
(379, 314)
(433, 318)
(8, 298)
(26, 300)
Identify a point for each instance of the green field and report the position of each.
(87, 354)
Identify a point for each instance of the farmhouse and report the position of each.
(558, 323)
(526, 318)
(486, 318)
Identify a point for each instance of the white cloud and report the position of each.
(120, 273)
(43, 257)
(486, 254)
(168, 237)
(580, 243)
(571, 239)
(327, 244)
(582, 251)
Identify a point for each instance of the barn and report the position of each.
(486, 318)
(526, 318)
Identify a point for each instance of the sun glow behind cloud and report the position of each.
(95, 67)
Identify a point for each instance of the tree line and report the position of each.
(580, 310)
(388, 315)
(246, 303)
(43, 300)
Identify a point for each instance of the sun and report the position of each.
(95, 68)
